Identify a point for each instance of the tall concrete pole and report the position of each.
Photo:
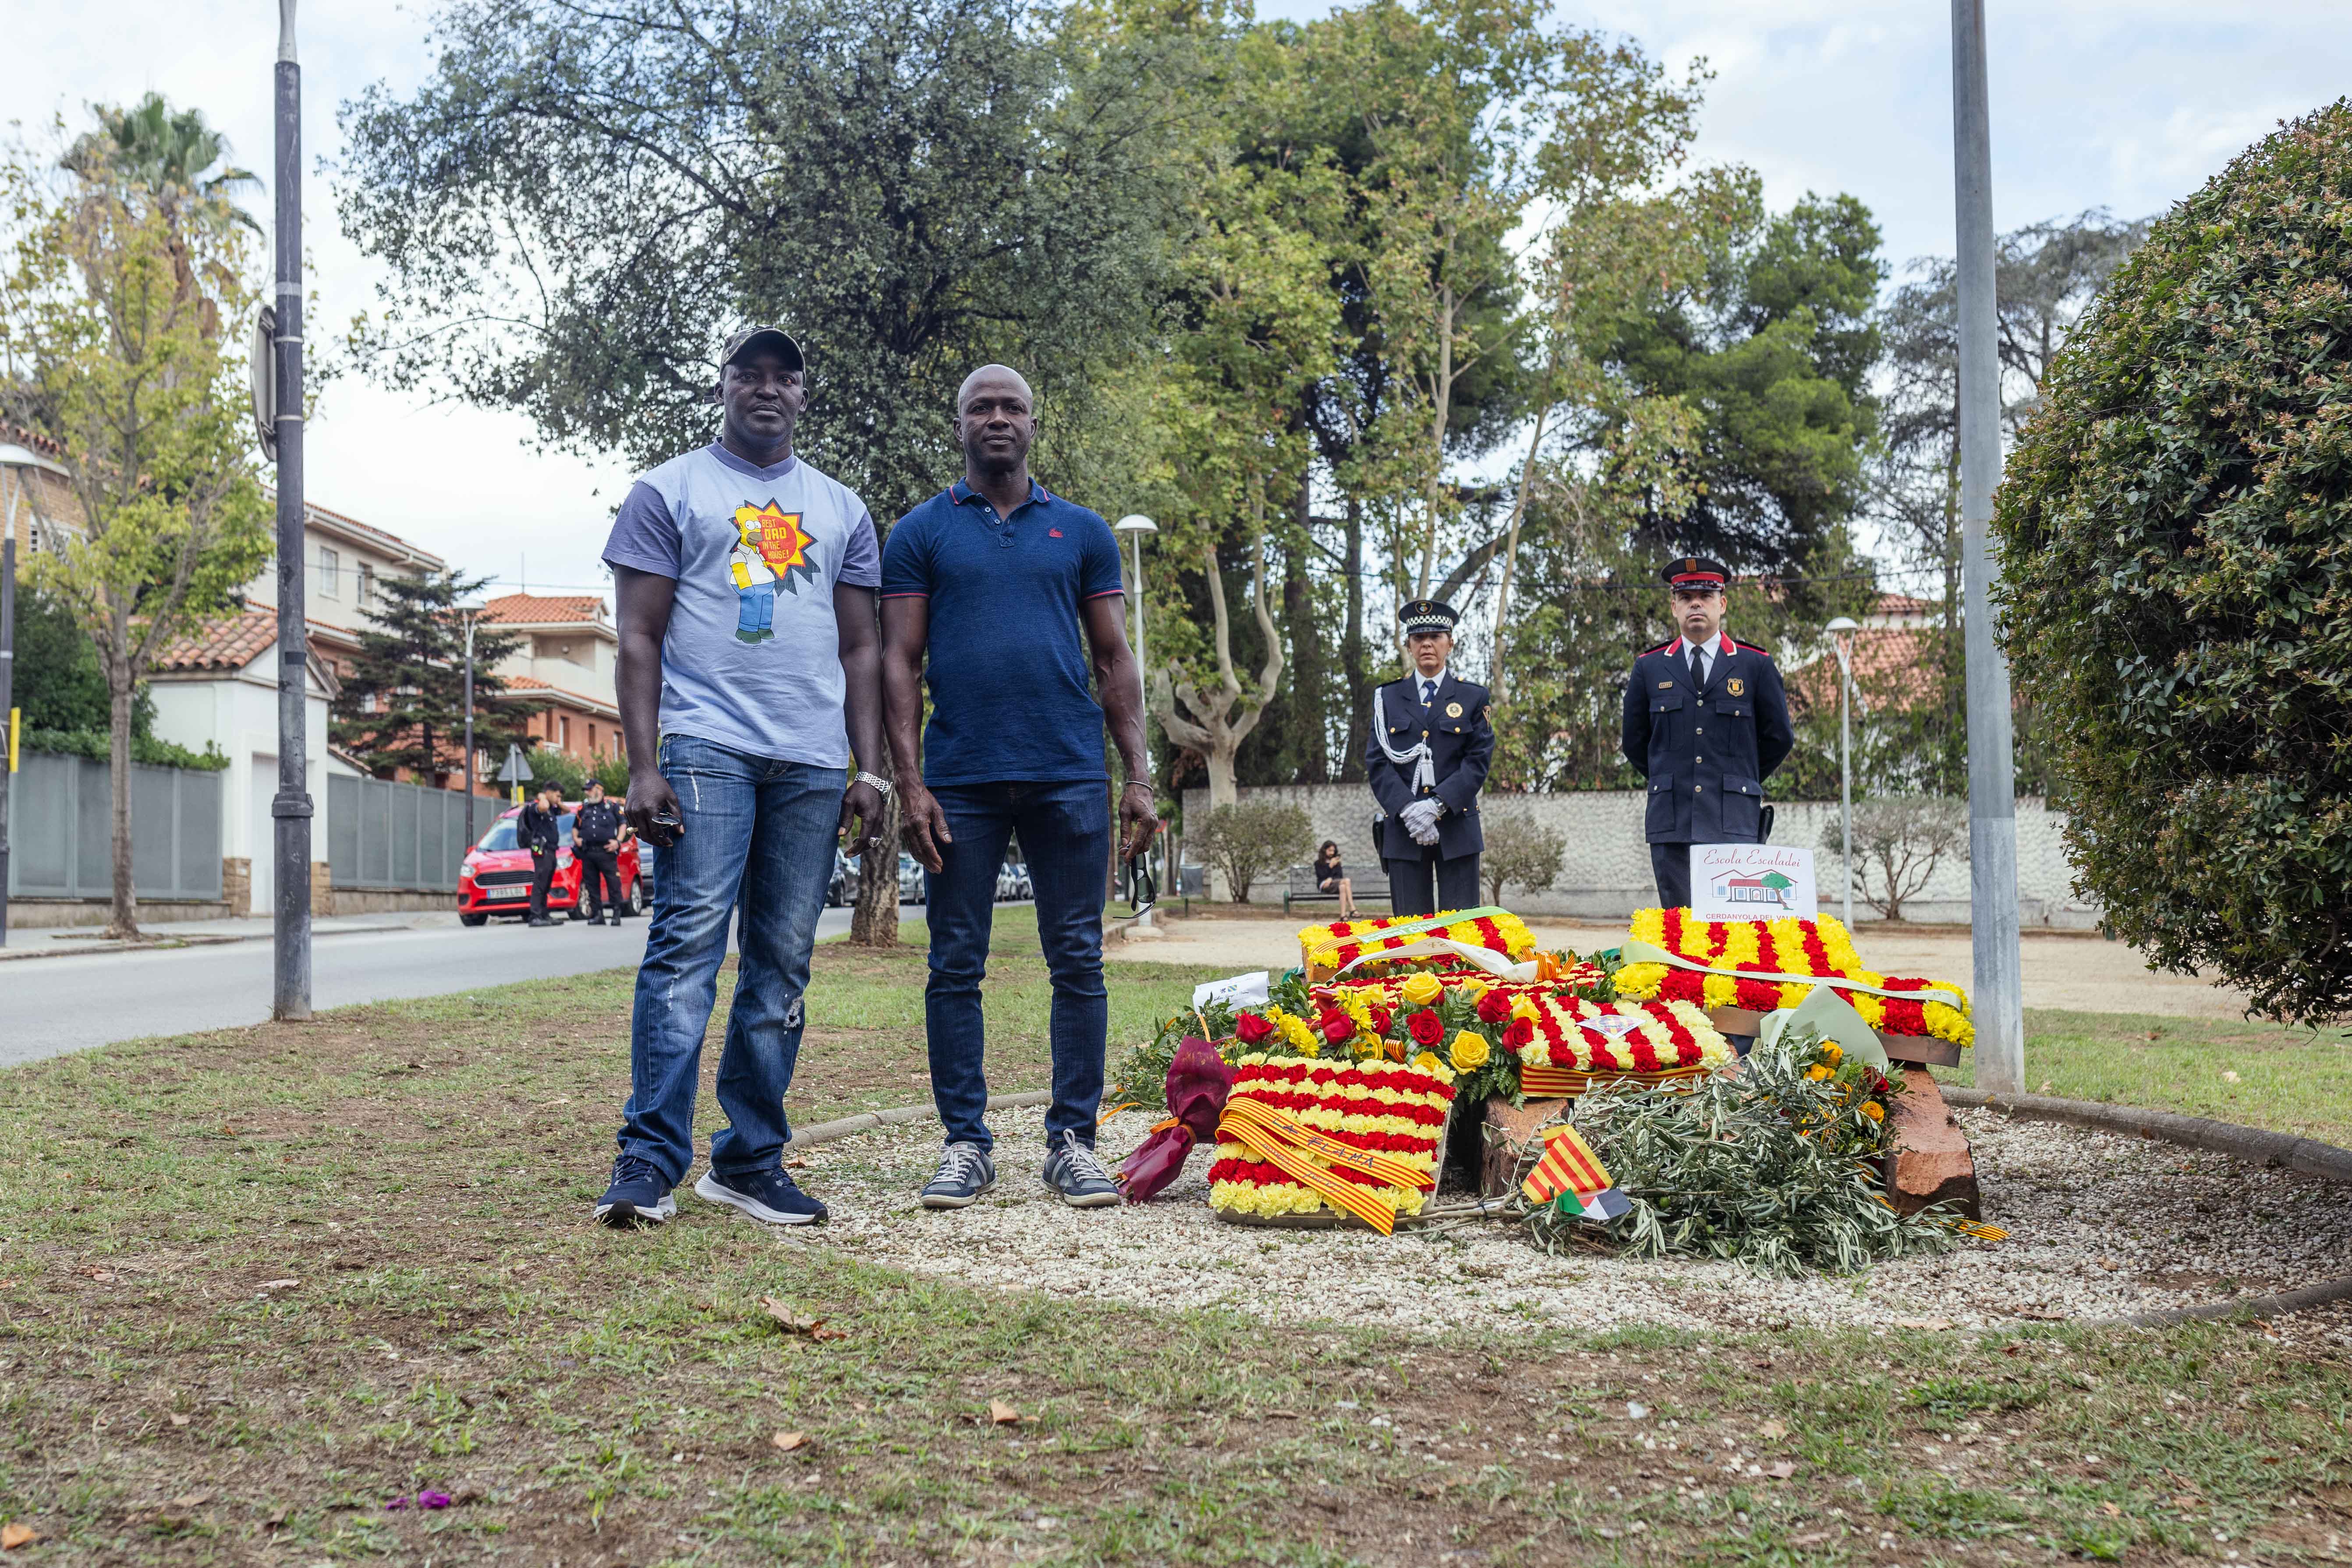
(7, 692)
(1999, 1000)
(289, 809)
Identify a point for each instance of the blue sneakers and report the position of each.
(639, 1196)
(770, 1196)
(1073, 1171)
(965, 1171)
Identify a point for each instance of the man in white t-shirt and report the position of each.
(749, 683)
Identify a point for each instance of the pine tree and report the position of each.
(404, 704)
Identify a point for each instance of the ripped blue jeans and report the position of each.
(760, 836)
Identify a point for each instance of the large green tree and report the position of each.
(1774, 346)
(2175, 581)
(113, 306)
(402, 705)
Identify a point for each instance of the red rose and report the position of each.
(1336, 1027)
(1520, 1032)
(1425, 1028)
(1381, 1018)
(1251, 1028)
(1494, 1007)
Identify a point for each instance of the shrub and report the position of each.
(1519, 852)
(2176, 581)
(562, 768)
(1898, 842)
(1245, 842)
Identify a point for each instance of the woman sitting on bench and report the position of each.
(1330, 877)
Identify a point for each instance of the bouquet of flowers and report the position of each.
(1763, 965)
(1326, 949)
(1301, 1135)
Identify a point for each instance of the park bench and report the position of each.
(1303, 890)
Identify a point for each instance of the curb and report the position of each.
(901, 1115)
(2307, 1156)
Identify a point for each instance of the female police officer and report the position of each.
(1425, 760)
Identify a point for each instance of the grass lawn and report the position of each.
(255, 1284)
(2259, 1075)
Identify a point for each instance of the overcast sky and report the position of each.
(2096, 103)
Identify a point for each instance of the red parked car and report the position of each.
(496, 876)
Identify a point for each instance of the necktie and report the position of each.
(1428, 692)
(1698, 670)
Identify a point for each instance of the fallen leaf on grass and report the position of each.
(788, 1441)
(179, 1420)
(1003, 1415)
(791, 1323)
(1781, 1471)
(1925, 1325)
(190, 1500)
(1772, 1429)
(13, 1535)
(279, 1284)
(278, 1516)
(2110, 1510)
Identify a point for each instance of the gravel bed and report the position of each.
(2101, 1225)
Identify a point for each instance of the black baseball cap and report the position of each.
(774, 340)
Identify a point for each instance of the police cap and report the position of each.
(1426, 615)
(1697, 574)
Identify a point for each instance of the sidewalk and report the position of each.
(49, 942)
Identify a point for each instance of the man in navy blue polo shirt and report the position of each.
(994, 578)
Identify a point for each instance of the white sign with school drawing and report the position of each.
(1752, 882)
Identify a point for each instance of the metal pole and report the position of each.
(1999, 1001)
(1142, 679)
(8, 695)
(289, 809)
(1846, 776)
(469, 731)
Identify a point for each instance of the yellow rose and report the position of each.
(1832, 1052)
(1427, 1061)
(1469, 1051)
(1527, 1009)
(1817, 1072)
(1874, 1111)
(1422, 988)
(1472, 989)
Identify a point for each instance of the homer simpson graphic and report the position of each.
(755, 582)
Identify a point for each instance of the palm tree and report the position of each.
(151, 153)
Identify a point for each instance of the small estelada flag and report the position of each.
(1572, 1179)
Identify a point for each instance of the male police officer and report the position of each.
(1426, 759)
(1706, 723)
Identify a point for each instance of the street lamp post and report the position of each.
(1135, 525)
(289, 809)
(470, 610)
(2000, 1010)
(1841, 632)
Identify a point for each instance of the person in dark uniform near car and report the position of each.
(597, 833)
(1705, 723)
(538, 828)
(1426, 760)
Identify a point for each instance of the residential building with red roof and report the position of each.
(565, 660)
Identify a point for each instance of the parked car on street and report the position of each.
(910, 878)
(495, 878)
(843, 889)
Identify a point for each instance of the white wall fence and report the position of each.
(1605, 872)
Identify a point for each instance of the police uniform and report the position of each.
(1707, 747)
(1436, 750)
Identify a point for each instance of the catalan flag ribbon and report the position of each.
(1572, 1177)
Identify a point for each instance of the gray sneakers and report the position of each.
(965, 1171)
(1073, 1171)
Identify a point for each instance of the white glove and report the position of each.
(1420, 819)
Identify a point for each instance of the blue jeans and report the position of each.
(1065, 831)
(759, 833)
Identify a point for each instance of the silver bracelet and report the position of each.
(877, 780)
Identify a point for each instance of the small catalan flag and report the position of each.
(1572, 1177)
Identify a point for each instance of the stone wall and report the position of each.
(1605, 872)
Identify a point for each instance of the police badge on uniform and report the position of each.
(1453, 710)
(1737, 687)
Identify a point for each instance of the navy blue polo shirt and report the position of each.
(1011, 693)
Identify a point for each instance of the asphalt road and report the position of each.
(71, 1002)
